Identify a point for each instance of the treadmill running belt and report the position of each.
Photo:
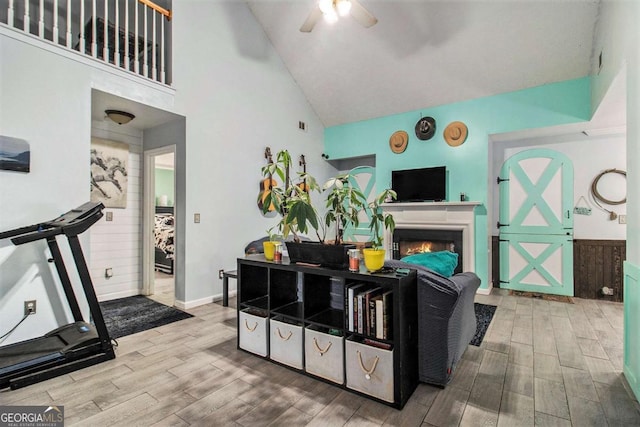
(20, 355)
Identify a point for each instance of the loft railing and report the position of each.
(143, 28)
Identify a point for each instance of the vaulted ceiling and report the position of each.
(427, 53)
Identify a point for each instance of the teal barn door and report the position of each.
(536, 222)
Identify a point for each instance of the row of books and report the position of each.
(368, 310)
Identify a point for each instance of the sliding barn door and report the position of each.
(536, 222)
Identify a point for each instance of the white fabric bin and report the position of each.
(253, 333)
(286, 343)
(370, 370)
(324, 355)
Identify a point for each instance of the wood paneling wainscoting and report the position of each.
(596, 263)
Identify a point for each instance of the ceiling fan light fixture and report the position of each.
(120, 117)
(343, 7)
(326, 6)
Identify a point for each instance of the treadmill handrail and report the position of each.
(72, 223)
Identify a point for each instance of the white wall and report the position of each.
(590, 156)
(45, 99)
(238, 99)
(117, 244)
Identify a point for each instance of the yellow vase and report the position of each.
(373, 258)
(269, 250)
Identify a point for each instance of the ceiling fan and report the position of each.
(332, 9)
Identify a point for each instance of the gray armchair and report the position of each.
(446, 320)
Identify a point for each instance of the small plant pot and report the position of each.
(373, 258)
(269, 250)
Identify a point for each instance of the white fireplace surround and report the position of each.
(457, 216)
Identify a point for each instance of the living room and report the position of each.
(220, 137)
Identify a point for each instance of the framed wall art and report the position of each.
(109, 171)
(15, 154)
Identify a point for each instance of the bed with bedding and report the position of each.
(164, 231)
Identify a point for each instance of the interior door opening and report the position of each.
(160, 240)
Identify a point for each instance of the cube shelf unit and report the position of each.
(297, 316)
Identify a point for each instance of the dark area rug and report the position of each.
(126, 316)
(484, 314)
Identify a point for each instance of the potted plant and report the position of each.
(374, 256)
(344, 202)
(291, 201)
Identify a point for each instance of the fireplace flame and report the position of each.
(424, 247)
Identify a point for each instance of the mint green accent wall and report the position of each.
(467, 165)
(164, 184)
(631, 325)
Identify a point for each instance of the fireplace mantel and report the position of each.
(436, 216)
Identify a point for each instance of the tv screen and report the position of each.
(418, 185)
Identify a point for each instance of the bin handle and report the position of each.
(321, 351)
(366, 371)
(250, 329)
(284, 338)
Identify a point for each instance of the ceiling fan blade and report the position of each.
(362, 15)
(313, 17)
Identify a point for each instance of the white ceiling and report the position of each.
(428, 53)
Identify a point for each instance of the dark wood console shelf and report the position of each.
(302, 317)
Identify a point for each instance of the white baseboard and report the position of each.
(121, 294)
(202, 301)
(485, 291)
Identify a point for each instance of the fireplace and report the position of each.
(407, 241)
(439, 218)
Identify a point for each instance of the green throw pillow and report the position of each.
(443, 262)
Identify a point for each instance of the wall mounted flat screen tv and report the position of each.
(420, 185)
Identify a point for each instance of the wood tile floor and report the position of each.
(541, 363)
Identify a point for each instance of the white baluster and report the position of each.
(105, 40)
(82, 43)
(162, 74)
(10, 13)
(126, 35)
(94, 32)
(153, 49)
(27, 19)
(146, 32)
(55, 22)
(116, 36)
(68, 35)
(41, 20)
(135, 40)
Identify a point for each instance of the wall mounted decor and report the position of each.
(109, 170)
(455, 133)
(425, 128)
(15, 154)
(398, 141)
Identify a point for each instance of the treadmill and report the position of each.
(69, 347)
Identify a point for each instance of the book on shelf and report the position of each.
(350, 307)
(373, 315)
(378, 344)
(366, 307)
(387, 315)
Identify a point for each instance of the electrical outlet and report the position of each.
(622, 219)
(109, 216)
(220, 274)
(30, 307)
(108, 273)
(196, 218)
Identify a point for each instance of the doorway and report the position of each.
(536, 222)
(159, 236)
